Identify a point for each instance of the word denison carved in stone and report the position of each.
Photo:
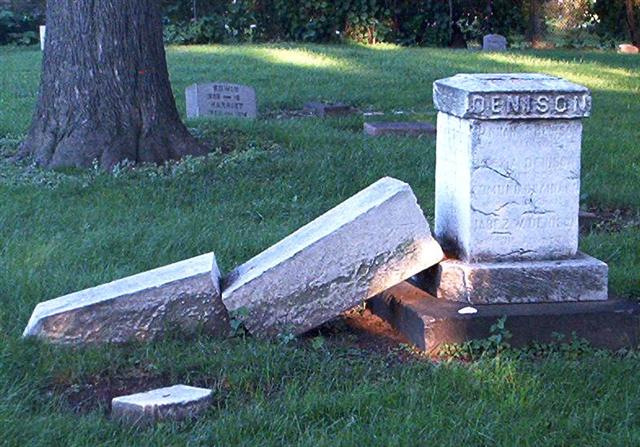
(528, 104)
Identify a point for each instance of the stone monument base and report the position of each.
(581, 278)
(428, 322)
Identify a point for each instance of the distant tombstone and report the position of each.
(220, 99)
(43, 30)
(627, 48)
(323, 109)
(401, 128)
(494, 42)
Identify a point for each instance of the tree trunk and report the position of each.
(631, 23)
(105, 93)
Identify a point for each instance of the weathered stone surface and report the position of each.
(43, 31)
(494, 42)
(325, 109)
(582, 278)
(220, 99)
(511, 96)
(507, 190)
(176, 403)
(399, 128)
(429, 322)
(184, 295)
(370, 242)
(628, 48)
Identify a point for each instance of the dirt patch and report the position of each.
(358, 331)
(608, 220)
(97, 392)
(367, 333)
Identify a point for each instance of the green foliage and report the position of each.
(18, 29)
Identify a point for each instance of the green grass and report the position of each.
(60, 232)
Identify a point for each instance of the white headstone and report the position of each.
(508, 165)
(508, 186)
(43, 31)
(372, 241)
(220, 99)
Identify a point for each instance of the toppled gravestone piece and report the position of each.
(176, 403)
(372, 241)
(183, 296)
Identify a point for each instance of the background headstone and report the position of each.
(43, 31)
(494, 42)
(219, 99)
(415, 128)
(628, 48)
(323, 109)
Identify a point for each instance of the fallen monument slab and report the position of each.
(370, 242)
(429, 323)
(413, 129)
(176, 403)
(184, 296)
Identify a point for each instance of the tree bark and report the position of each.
(105, 93)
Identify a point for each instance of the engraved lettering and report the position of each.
(542, 104)
(561, 104)
(583, 103)
(496, 104)
(477, 104)
(513, 104)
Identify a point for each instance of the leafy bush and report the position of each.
(18, 29)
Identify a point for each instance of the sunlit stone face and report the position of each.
(508, 166)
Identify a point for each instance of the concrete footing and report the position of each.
(429, 323)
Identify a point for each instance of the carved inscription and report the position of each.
(220, 100)
(530, 105)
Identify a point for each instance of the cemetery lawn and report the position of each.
(65, 231)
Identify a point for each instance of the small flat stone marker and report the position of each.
(508, 189)
(494, 42)
(628, 48)
(323, 109)
(184, 295)
(370, 242)
(413, 129)
(221, 99)
(176, 403)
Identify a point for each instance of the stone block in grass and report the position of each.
(178, 402)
